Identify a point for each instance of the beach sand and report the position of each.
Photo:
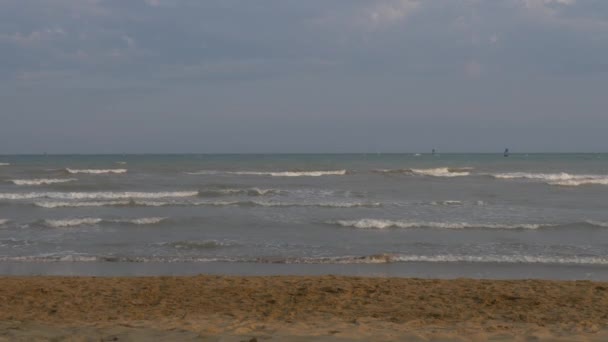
(304, 308)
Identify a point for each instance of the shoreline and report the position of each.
(425, 270)
(300, 307)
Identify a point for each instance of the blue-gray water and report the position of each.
(448, 215)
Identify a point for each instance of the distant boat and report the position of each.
(433, 152)
(506, 154)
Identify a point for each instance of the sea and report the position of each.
(389, 215)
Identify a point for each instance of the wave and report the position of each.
(3, 221)
(121, 162)
(275, 174)
(260, 204)
(41, 181)
(452, 258)
(434, 172)
(52, 205)
(248, 192)
(384, 258)
(96, 195)
(196, 245)
(12, 243)
(135, 203)
(5, 164)
(93, 221)
(582, 182)
(383, 224)
(95, 171)
(597, 223)
(562, 178)
(448, 202)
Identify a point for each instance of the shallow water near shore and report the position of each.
(439, 216)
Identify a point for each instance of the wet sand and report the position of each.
(303, 308)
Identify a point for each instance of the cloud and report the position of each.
(127, 39)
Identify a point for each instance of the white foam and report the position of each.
(581, 182)
(562, 178)
(383, 224)
(203, 172)
(442, 172)
(200, 244)
(371, 259)
(434, 172)
(5, 164)
(249, 192)
(144, 203)
(41, 181)
(3, 221)
(445, 258)
(508, 259)
(52, 205)
(597, 223)
(93, 221)
(96, 171)
(72, 222)
(276, 174)
(448, 202)
(95, 195)
(145, 220)
(121, 162)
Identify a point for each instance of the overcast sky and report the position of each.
(113, 76)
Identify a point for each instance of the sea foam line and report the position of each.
(434, 172)
(370, 259)
(248, 192)
(5, 164)
(93, 221)
(275, 174)
(55, 204)
(197, 244)
(42, 181)
(452, 258)
(562, 178)
(96, 195)
(96, 171)
(384, 224)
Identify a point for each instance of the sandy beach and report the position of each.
(327, 308)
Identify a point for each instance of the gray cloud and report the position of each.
(349, 70)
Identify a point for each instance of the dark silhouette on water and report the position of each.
(433, 152)
(506, 154)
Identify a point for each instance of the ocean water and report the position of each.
(445, 215)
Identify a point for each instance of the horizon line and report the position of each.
(288, 153)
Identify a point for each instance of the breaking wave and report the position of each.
(384, 224)
(434, 172)
(95, 171)
(93, 221)
(96, 195)
(597, 223)
(448, 202)
(42, 181)
(52, 204)
(368, 259)
(275, 174)
(247, 192)
(135, 203)
(563, 179)
(5, 164)
(196, 245)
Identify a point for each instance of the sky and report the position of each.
(281, 76)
